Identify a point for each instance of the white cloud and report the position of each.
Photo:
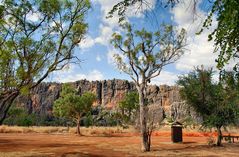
(110, 25)
(106, 6)
(34, 17)
(95, 75)
(91, 76)
(69, 74)
(200, 53)
(88, 42)
(200, 49)
(105, 35)
(165, 77)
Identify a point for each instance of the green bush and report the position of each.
(88, 120)
(18, 116)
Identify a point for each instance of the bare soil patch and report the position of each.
(116, 145)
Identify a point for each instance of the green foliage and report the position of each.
(33, 57)
(121, 7)
(129, 107)
(19, 116)
(102, 116)
(37, 37)
(226, 34)
(130, 102)
(109, 118)
(88, 120)
(70, 105)
(217, 103)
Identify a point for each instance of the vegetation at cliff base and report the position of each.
(129, 108)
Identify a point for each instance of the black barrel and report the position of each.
(177, 132)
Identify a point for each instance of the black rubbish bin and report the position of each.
(177, 132)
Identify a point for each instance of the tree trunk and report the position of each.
(219, 136)
(78, 126)
(145, 145)
(5, 104)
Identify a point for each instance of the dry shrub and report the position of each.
(103, 131)
(52, 130)
(27, 130)
(2, 129)
(211, 140)
(72, 130)
(94, 132)
(97, 130)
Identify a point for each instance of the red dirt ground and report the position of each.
(68, 145)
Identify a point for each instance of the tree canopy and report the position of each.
(73, 106)
(226, 34)
(37, 37)
(147, 52)
(216, 102)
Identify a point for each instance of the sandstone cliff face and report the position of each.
(108, 93)
(41, 99)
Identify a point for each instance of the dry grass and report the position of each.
(107, 131)
(33, 129)
(90, 131)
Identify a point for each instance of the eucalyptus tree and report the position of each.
(216, 102)
(142, 56)
(73, 106)
(37, 37)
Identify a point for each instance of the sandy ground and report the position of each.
(68, 145)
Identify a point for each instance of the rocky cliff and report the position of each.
(108, 93)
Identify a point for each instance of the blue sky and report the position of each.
(96, 52)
